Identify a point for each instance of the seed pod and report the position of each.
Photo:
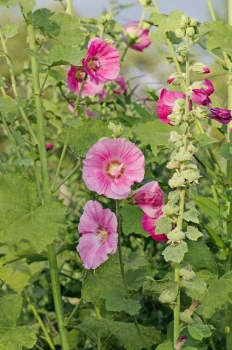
(170, 209)
(190, 31)
(176, 181)
(173, 165)
(182, 156)
(184, 317)
(167, 297)
(176, 235)
(179, 33)
(187, 273)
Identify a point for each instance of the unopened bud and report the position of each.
(200, 68)
(176, 235)
(182, 50)
(102, 19)
(184, 317)
(190, 31)
(187, 273)
(185, 19)
(179, 33)
(168, 296)
(170, 209)
(40, 38)
(182, 24)
(146, 25)
(180, 342)
(109, 17)
(144, 2)
(173, 165)
(194, 39)
(180, 59)
(174, 136)
(109, 41)
(118, 130)
(192, 149)
(175, 79)
(49, 146)
(195, 304)
(190, 175)
(111, 126)
(178, 144)
(193, 22)
(176, 181)
(182, 156)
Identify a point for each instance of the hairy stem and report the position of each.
(46, 187)
(66, 323)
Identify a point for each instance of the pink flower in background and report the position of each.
(98, 227)
(149, 225)
(122, 85)
(222, 115)
(101, 61)
(112, 166)
(150, 198)
(74, 81)
(49, 146)
(141, 38)
(201, 96)
(166, 102)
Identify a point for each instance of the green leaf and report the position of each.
(25, 5)
(26, 161)
(131, 223)
(65, 55)
(20, 217)
(175, 253)
(154, 133)
(198, 285)
(166, 346)
(226, 151)
(135, 279)
(191, 215)
(198, 329)
(205, 141)
(134, 261)
(2, 82)
(12, 337)
(219, 36)
(166, 27)
(86, 135)
(115, 301)
(18, 137)
(193, 233)
(9, 30)
(39, 58)
(152, 286)
(163, 225)
(60, 26)
(208, 207)
(219, 293)
(215, 237)
(142, 112)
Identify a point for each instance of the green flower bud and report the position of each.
(192, 149)
(193, 22)
(22, 129)
(109, 17)
(182, 50)
(187, 273)
(182, 24)
(190, 31)
(175, 79)
(174, 136)
(167, 297)
(176, 235)
(180, 59)
(40, 38)
(173, 165)
(182, 156)
(146, 25)
(185, 19)
(178, 144)
(170, 209)
(102, 19)
(201, 112)
(194, 39)
(144, 2)
(109, 41)
(179, 33)
(200, 68)
(184, 317)
(118, 130)
(111, 126)
(176, 181)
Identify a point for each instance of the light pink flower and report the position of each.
(166, 102)
(75, 78)
(150, 198)
(149, 225)
(101, 61)
(122, 85)
(201, 96)
(99, 234)
(112, 166)
(140, 40)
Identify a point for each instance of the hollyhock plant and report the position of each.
(150, 198)
(101, 61)
(149, 225)
(140, 38)
(166, 102)
(111, 166)
(222, 115)
(201, 95)
(99, 238)
(120, 81)
(74, 81)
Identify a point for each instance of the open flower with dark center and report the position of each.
(99, 238)
(101, 61)
(112, 166)
(74, 81)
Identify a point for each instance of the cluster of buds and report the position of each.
(105, 19)
(117, 130)
(187, 29)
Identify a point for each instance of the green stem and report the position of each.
(46, 188)
(67, 136)
(211, 53)
(45, 79)
(124, 53)
(13, 82)
(69, 9)
(66, 323)
(211, 10)
(123, 272)
(38, 347)
(65, 179)
(170, 46)
(155, 6)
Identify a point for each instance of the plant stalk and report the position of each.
(69, 8)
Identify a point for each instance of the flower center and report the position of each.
(102, 234)
(114, 169)
(93, 64)
(79, 74)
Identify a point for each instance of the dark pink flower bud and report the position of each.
(140, 40)
(166, 102)
(206, 70)
(101, 61)
(149, 225)
(170, 80)
(180, 342)
(49, 146)
(120, 81)
(150, 198)
(222, 115)
(201, 95)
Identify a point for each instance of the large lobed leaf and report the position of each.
(219, 36)
(25, 5)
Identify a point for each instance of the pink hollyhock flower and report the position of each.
(141, 39)
(150, 198)
(112, 166)
(166, 102)
(101, 61)
(201, 95)
(75, 78)
(99, 234)
(49, 146)
(148, 224)
(222, 115)
(122, 86)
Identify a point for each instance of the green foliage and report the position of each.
(175, 253)
(10, 30)
(166, 346)
(65, 55)
(25, 5)
(219, 36)
(205, 141)
(115, 301)
(191, 215)
(209, 207)
(198, 329)
(193, 233)
(131, 223)
(156, 287)
(163, 225)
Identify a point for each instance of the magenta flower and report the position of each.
(75, 78)
(112, 166)
(205, 70)
(48, 146)
(99, 234)
(166, 102)
(120, 81)
(201, 96)
(148, 224)
(101, 61)
(222, 115)
(140, 39)
(150, 198)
